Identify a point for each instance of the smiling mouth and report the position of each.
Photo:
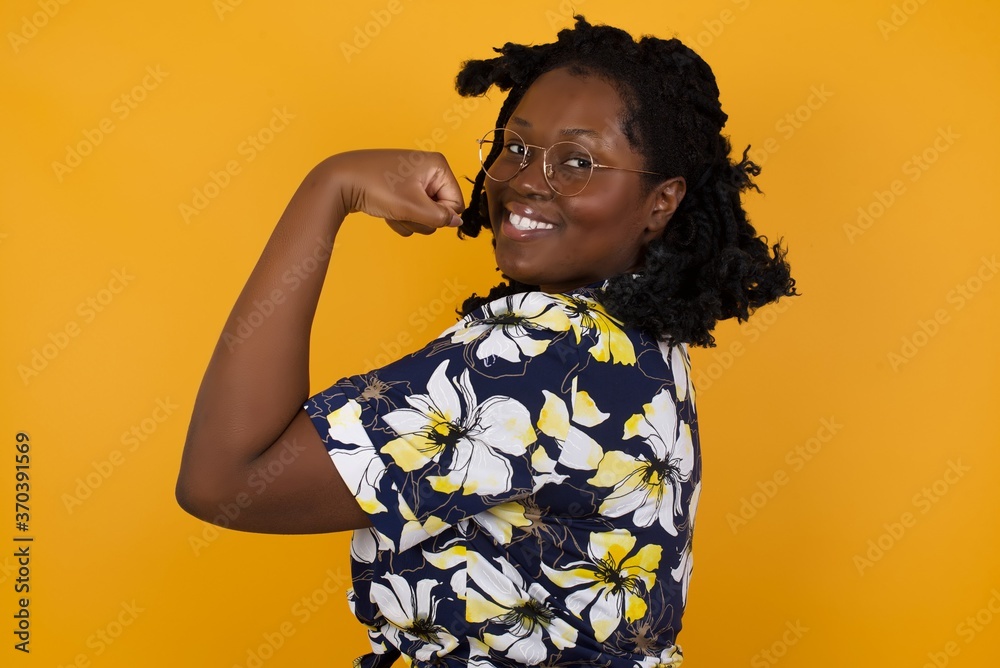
(522, 223)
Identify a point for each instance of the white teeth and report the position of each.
(522, 223)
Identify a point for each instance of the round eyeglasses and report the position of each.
(567, 166)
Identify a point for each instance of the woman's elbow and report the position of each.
(188, 499)
(198, 498)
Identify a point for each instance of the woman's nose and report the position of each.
(530, 180)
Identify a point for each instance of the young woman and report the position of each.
(523, 489)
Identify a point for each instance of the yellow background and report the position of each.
(868, 86)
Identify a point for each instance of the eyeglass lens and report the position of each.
(568, 164)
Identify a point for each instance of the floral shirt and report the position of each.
(532, 477)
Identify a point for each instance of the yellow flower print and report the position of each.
(500, 520)
(356, 459)
(412, 612)
(649, 485)
(612, 581)
(506, 326)
(613, 344)
(671, 657)
(467, 438)
(517, 608)
(577, 450)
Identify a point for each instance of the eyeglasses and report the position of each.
(567, 166)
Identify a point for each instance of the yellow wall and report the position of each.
(850, 435)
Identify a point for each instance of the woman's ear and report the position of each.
(664, 200)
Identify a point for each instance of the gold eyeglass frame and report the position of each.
(547, 169)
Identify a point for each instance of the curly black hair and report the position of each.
(709, 264)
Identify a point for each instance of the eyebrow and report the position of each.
(573, 132)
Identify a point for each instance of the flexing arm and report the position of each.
(250, 445)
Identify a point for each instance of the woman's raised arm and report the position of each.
(252, 460)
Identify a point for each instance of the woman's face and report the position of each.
(597, 233)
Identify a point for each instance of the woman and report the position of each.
(522, 489)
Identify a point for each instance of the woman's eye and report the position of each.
(577, 163)
(515, 148)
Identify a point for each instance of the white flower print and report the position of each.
(367, 542)
(671, 657)
(693, 504)
(505, 328)
(500, 597)
(543, 470)
(615, 580)
(412, 613)
(479, 654)
(649, 485)
(682, 572)
(360, 466)
(613, 344)
(452, 555)
(374, 633)
(500, 520)
(449, 424)
(577, 450)
(413, 530)
(678, 359)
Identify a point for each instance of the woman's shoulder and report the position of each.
(537, 313)
(574, 324)
(533, 304)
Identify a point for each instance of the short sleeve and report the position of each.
(453, 429)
